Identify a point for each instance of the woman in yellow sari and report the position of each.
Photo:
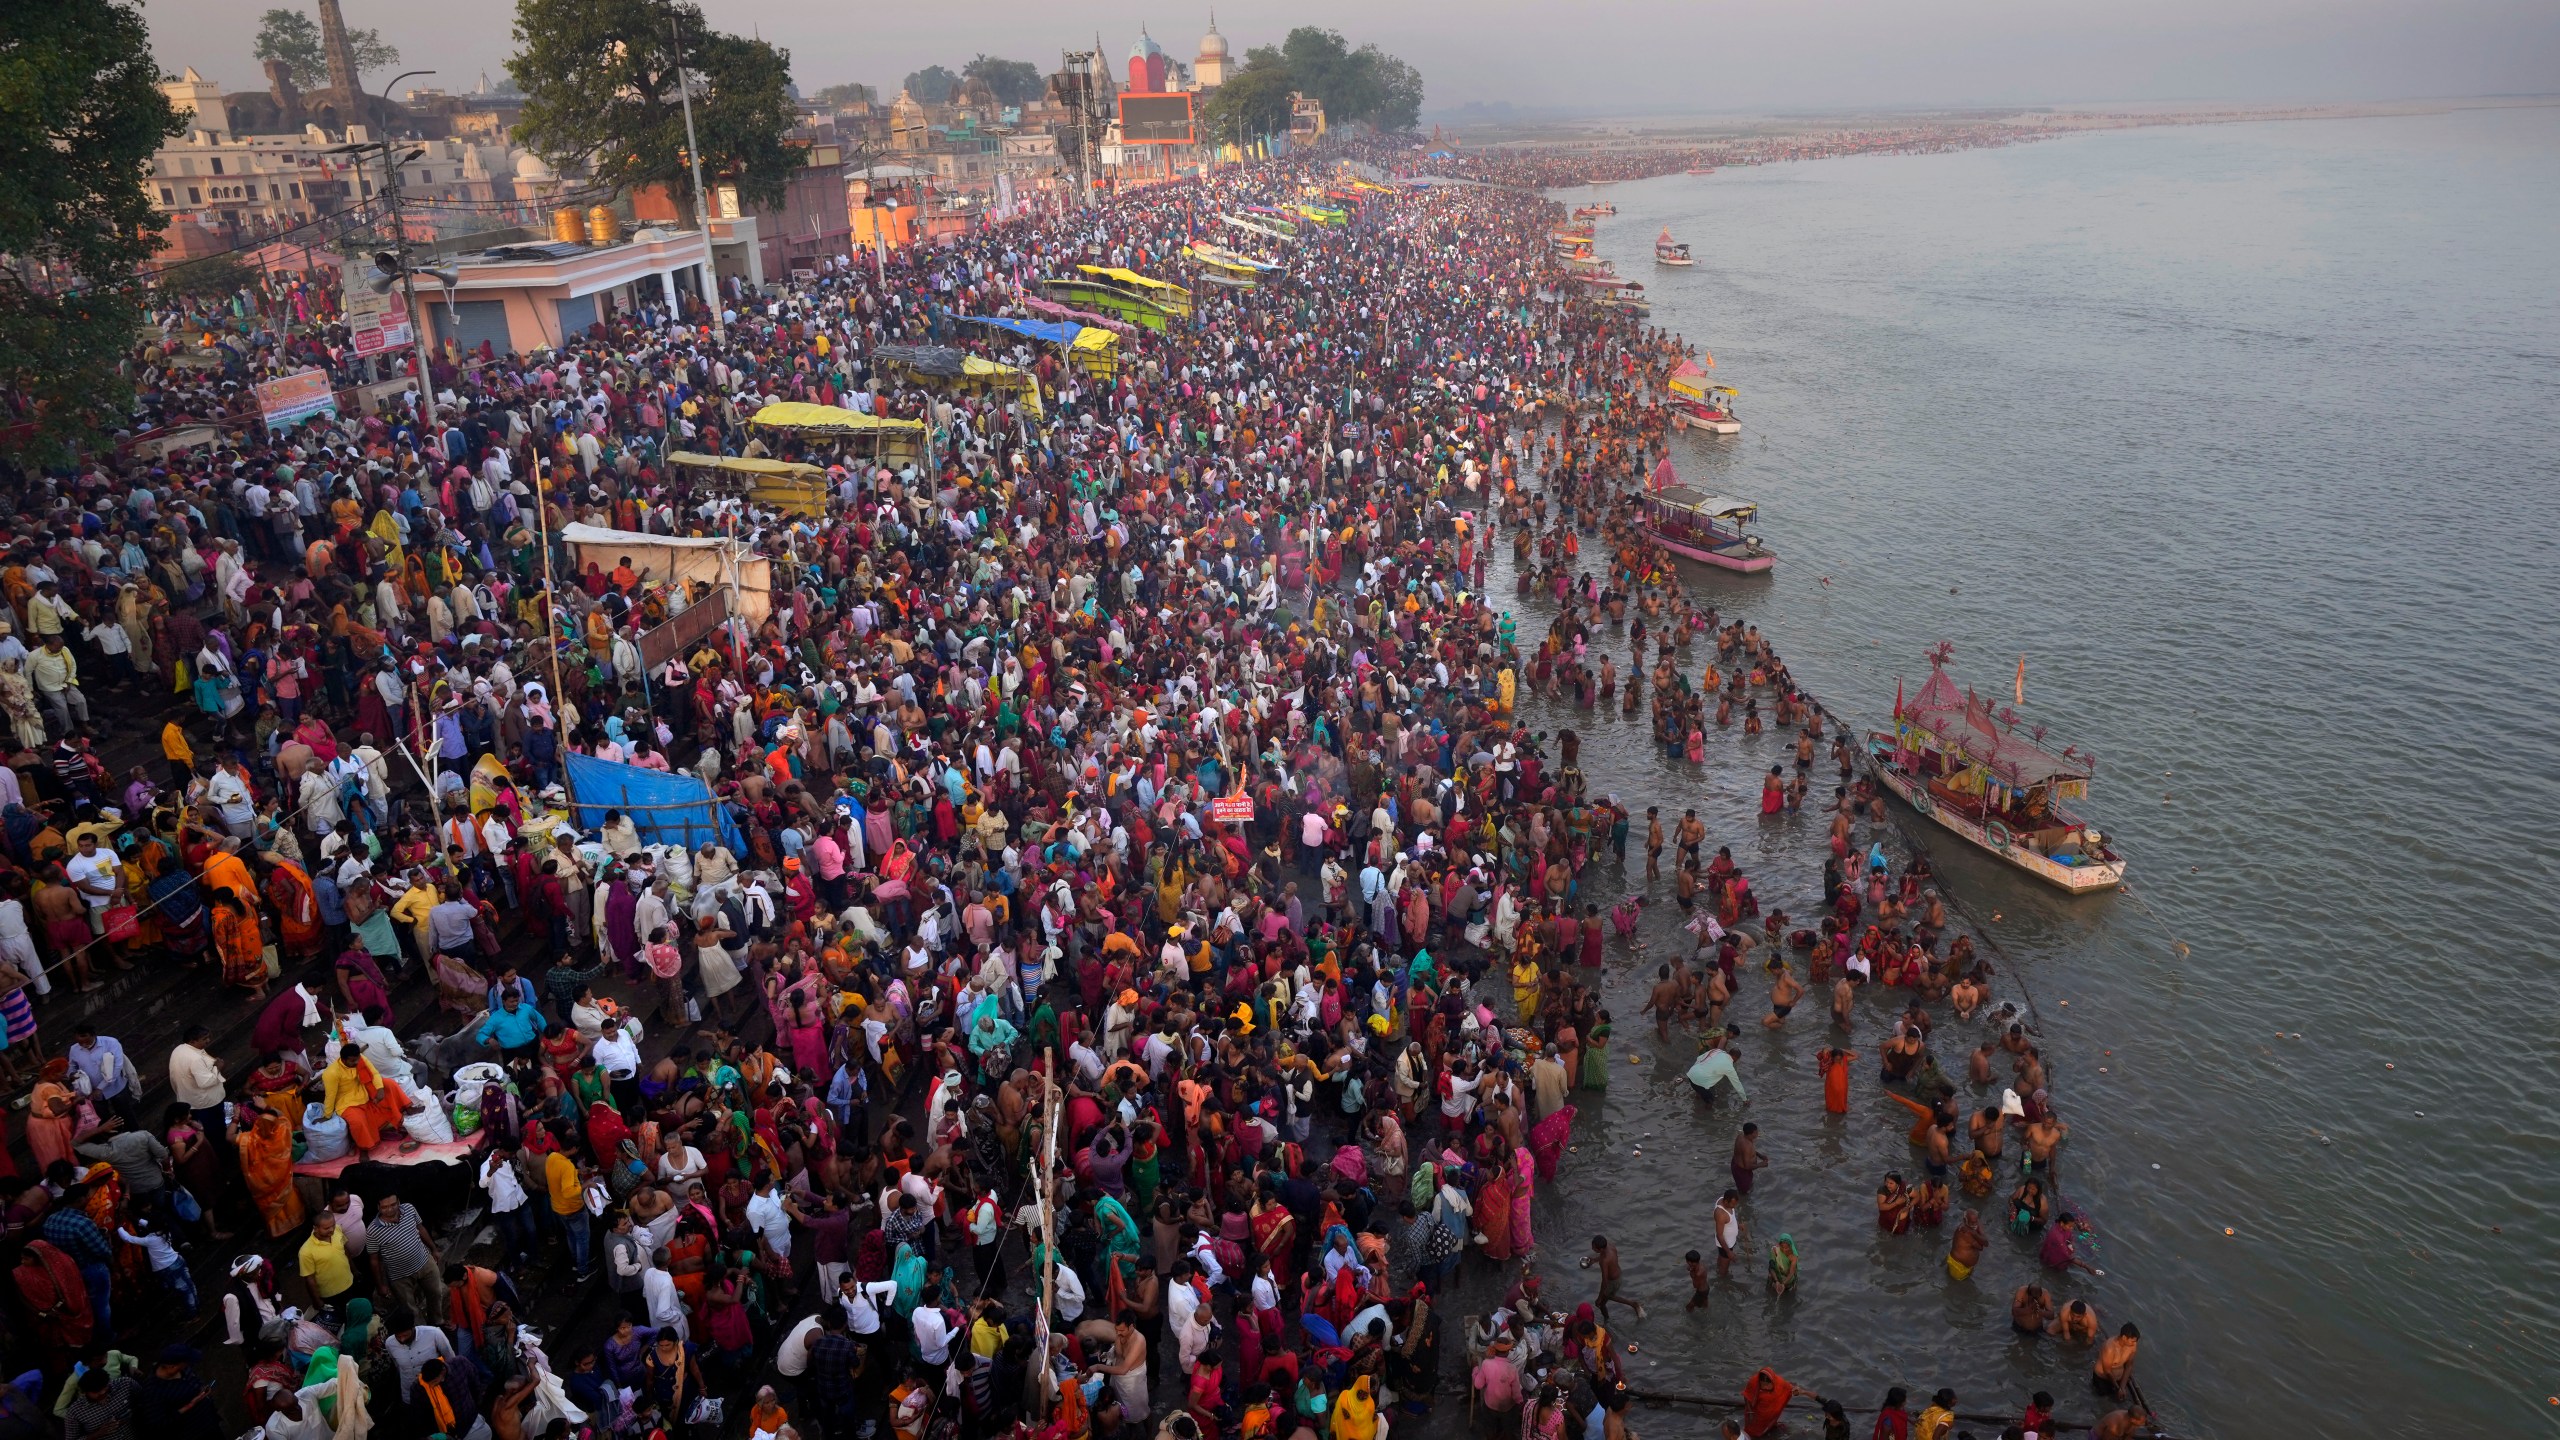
(265, 1142)
(1355, 1411)
(385, 531)
(1524, 980)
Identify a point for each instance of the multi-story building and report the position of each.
(256, 163)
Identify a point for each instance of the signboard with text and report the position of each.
(290, 399)
(377, 322)
(1232, 810)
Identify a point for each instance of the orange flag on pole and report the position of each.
(2020, 689)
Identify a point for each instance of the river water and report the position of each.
(2244, 437)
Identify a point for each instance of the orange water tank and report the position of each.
(568, 226)
(603, 226)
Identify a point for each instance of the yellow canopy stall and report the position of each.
(777, 484)
(1172, 297)
(892, 440)
(1096, 353)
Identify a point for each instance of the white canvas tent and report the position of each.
(710, 560)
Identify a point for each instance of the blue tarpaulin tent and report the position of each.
(669, 809)
(1056, 332)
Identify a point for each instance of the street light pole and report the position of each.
(391, 162)
(701, 205)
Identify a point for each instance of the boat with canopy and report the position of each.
(1697, 405)
(1706, 528)
(1667, 251)
(1962, 765)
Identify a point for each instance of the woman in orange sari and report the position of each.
(265, 1142)
(50, 1118)
(298, 930)
(370, 1102)
(239, 943)
(223, 870)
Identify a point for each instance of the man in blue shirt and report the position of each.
(101, 1061)
(515, 1027)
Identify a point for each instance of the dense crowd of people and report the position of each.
(1143, 956)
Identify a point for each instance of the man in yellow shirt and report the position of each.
(412, 909)
(568, 1189)
(181, 755)
(324, 1260)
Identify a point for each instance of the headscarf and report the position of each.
(356, 1335)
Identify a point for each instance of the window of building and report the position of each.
(296, 188)
(217, 164)
(168, 196)
(194, 196)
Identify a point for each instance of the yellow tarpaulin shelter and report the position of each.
(1096, 352)
(983, 371)
(891, 439)
(777, 484)
(1164, 292)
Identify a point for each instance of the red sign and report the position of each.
(1232, 809)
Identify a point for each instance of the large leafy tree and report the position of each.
(1399, 101)
(601, 81)
(1016, 82)
(80, 114)
(1366, 85)
(294, 38)
(933, 84)
(1253, 103)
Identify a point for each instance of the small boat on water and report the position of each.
(1706, 528)
(1950, 757)
(1667, 251)
(1589, 211)
(1709, 170)
(1697, 405)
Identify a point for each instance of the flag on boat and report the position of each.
(2020, 690)
(1662, 478)
(1897, 698)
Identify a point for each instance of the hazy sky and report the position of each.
(1691, 55)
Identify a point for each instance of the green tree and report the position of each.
(1253, 103)
(83, 116)
(206, 278)
(933, 84)
(1366, 85)
(835, 96)
(294, 38)
(600, 80)
(1016, 82)
(1399, 102)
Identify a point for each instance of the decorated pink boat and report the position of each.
(1961, 764)
(1706, 528)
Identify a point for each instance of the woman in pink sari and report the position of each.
(1524, 1166)
(1547, 1140)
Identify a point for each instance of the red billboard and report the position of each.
(1155, 120)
